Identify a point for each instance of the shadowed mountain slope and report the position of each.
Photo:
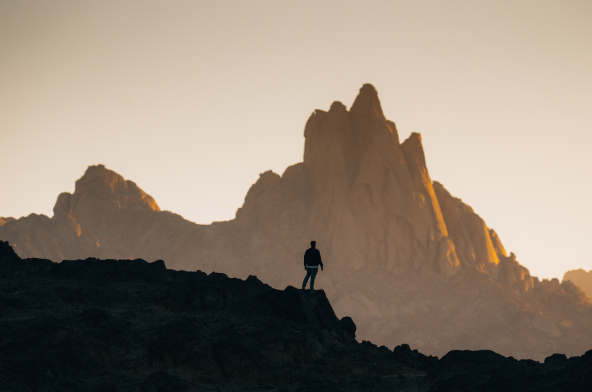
(128, 325)
(411, 263)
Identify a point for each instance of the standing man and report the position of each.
(312, 260)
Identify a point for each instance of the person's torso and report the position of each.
(312, 257)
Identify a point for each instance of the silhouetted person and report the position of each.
(312, 260)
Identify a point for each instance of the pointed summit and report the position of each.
(98, 180)
(367, 103)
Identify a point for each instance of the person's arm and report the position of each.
(320, 261)
(305, 259)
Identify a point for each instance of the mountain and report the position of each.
(407, 260)
(128, 325)
(581, 279)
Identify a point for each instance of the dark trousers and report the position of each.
(312, 274)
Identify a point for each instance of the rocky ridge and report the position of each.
(580, 278)
(129, 325)
(410, 262)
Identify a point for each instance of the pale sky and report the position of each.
(193, 99)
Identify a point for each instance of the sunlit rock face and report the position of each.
(408, 261)
(580, 278)
(478, 247)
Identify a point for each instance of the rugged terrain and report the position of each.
(129, 325)
(407, 260)
(580, 278)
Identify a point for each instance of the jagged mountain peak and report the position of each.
(367, 103)
(99, 181)
(340, 143)
(84, 218)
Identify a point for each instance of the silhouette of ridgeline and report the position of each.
(129, 325)
(411, 263)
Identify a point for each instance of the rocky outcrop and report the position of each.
(407, 260)
(478, 247)
(580, 278)
(129, 325)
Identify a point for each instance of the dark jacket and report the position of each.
(312, 257)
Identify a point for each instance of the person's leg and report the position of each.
(313, 275)
(306, 278)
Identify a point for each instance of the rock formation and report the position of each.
(128, 325)
(580, 278)
(408, 261)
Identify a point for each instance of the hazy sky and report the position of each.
(193, 99)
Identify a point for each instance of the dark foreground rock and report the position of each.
(129, 325)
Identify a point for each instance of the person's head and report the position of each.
(313, 244)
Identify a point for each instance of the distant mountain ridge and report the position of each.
(408, 261)
(581, 278)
